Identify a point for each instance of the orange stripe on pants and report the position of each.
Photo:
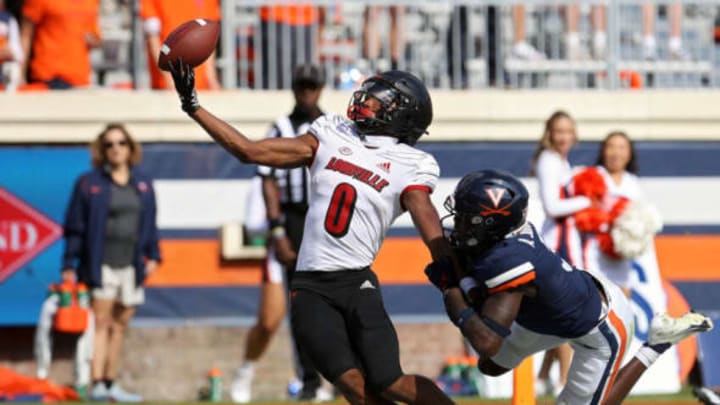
(618, 325)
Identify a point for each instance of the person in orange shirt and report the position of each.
(289, 35)
(61, 33)
(160, 17)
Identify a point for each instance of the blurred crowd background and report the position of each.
(453, 44)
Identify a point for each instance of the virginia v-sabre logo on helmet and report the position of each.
(486, 206)
(405, 111)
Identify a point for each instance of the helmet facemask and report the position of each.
(384, 121)
(468, 230)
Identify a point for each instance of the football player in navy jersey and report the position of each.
(518, 298)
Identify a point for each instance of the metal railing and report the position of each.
(467, 43)
(627, 59)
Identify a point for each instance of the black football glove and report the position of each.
(184, 78)
(442, 273)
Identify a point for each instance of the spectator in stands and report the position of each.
(289, 37)
(573, 48)
(674, 12)
(551, 167)
(60, 34)
(159, 18)
(286, 202)
(372, 34)
(521, 48)
(11, 54)
(617, 163)
(111, 244)
(599, 42)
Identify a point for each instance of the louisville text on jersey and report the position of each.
(366, 176)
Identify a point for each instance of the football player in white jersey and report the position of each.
(364, 173)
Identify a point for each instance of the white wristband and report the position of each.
(647, 356)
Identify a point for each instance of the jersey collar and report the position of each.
(379, 141)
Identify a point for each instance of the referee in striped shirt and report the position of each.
(285, 192)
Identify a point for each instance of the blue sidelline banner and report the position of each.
(41, 177)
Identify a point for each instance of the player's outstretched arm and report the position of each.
(427, 222)
(276, 152)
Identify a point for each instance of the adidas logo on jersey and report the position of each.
(384, 167)
(367, 284)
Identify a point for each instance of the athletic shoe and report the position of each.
(599, 45)
(574, 49)
(666, 329)
(99, 392)
(317, 395)
(240, 389)
(649, 48)
(525, 51)
(118, 394)
(706, 395)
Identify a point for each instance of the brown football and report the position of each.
(193, 41)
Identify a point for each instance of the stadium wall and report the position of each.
(172, 363)
(459, 115)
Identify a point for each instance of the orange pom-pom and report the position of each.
(589, 183)
(606, 245)
(618, 208)
(591, 219)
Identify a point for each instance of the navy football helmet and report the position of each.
(486, 206)
(406, 108)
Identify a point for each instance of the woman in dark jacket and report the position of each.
(112, 245)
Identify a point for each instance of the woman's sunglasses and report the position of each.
(109, 145)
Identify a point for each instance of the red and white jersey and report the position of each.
(356, 187)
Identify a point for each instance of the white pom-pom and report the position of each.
(633, 231)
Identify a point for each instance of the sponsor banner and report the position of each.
(35, 186)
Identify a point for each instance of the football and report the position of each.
(193, 41)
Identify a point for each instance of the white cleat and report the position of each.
(666, 329)
(323, 395)
(99, 392)
(119, 394)
(706, 395)
(240, 389)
